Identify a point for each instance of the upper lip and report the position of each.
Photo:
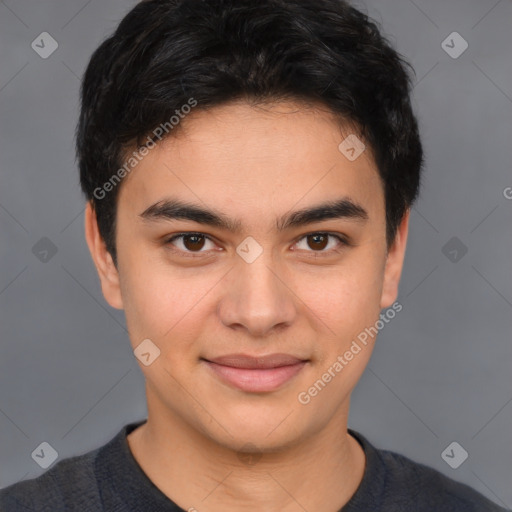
(256, 362)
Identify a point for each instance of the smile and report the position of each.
(256, 375)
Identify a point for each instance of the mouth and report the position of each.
(255, 374)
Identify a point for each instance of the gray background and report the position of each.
(441, 370)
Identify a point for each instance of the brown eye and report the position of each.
(193, 242)
(318, 241)
(188, 243)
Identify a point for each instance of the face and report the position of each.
(287, 256)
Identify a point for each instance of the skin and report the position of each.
(300, 298)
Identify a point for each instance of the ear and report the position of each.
(394, 264)
(107, 271)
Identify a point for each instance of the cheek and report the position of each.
(347, 297)
(162, 305)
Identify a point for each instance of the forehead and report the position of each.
(255, 160)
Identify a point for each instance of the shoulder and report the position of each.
(69, 485)
(395, 483)
(424, 489)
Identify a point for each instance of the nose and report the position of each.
(257, 298)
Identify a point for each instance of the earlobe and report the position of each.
(394, 264)
(107, 271)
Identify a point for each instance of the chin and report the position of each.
(262, 432)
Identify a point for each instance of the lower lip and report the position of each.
(256, 380)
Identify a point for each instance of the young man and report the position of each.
(249, 169)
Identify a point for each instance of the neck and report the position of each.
(319, 473)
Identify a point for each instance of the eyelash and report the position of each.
(190, 254)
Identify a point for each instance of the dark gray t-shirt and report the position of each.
(110, 479)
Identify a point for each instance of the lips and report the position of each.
(255, 374)
(251, 362)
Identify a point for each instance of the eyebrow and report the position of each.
(175, 209)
